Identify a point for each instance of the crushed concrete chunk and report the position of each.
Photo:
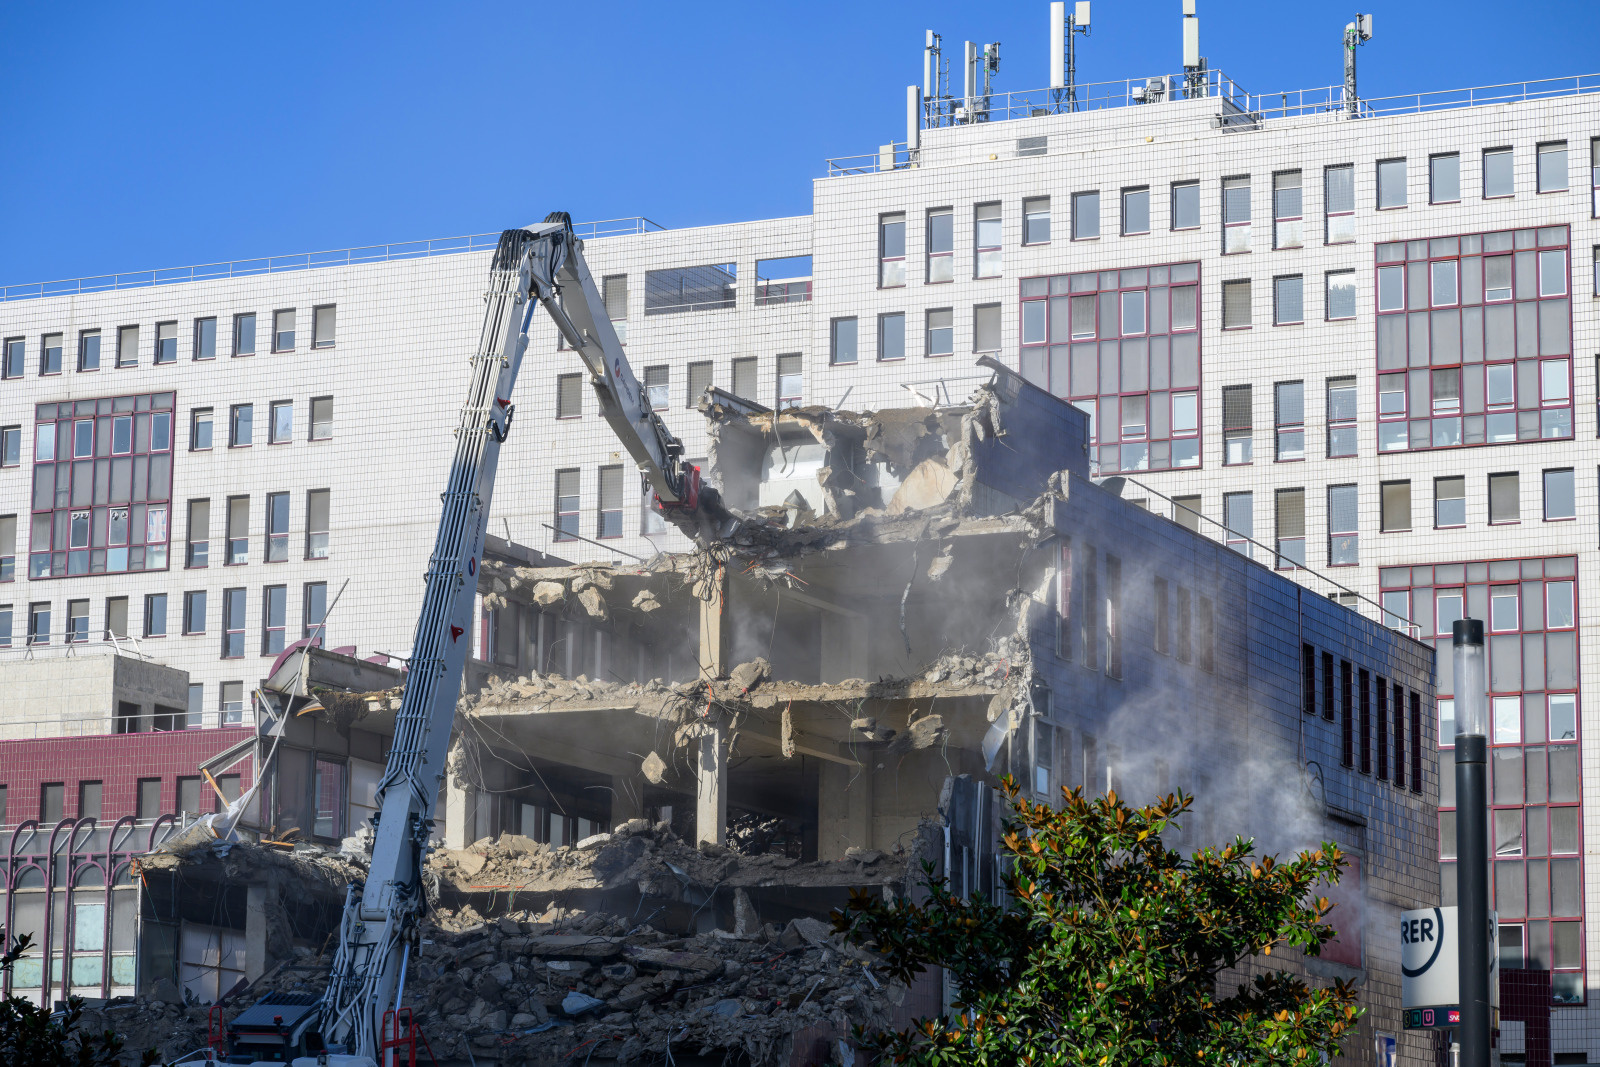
(577, 1003)
(469, 862)
(654, 768)
(593, 841)
(928, 485)
(645, 600)
(546, 594)
(594, 603)
(747, 676)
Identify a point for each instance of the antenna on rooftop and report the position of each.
(1064, 51)
(1355, 33)
(1194, 64)
(935, 80)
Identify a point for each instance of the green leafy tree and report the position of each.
(1112, 947)
(36, 1037)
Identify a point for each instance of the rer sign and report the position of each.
(1430, 968)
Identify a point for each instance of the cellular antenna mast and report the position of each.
(1194, 64)
(1355, 33)
(935, 79)
(1064, 29)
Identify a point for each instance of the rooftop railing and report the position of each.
(1242, 110)
(343, 257)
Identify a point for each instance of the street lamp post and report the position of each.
(1472, 838)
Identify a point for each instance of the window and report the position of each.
(52, 802)
(1444, 178)
(328, 789)
(790, 380)
(199, 536)
(88, 351)
(77, 621)
(1339, 203)
(1396, 506)
(78, 529)
(1124, 348)
(892, 336)
(240, 431)
(614, 291)
(1036, 221)
(1289, 419)
(744, 378)
(166, 342)
(1113, 617)
(50, 354)
(1458, 362)
(205, 338)
(1288, 300)
(1560, 500)
(323, 320)
(238, 532)
(15, 359)
(5, 627)
(321, 418)
(569, 396)
(1237, 424)
(1391, 183)
(1504, 498)
(1163, 625)
(1552, 169)
(677, 290)
(128, 346)
(317, 524)
(1290, 517)
(277, 527)
(280, 428)
(199, 429)
(566, 505)
(941, 245)
(1205, 629)
(274, 611)
(1236, 215)
(155, 615)
(1185, 205)
(986, 240)
(1287, 218)
(230, 704)
(8, 549)
(1497, 175)
(1340, 302)
(842, 342)
(1449, 502)
(1236, 304)
(194, 612)
(610, 503)
(1343, 526)
(1238, 520)
(10, 446)
(90, 795)
(233, 623)
(148, 804)
(891, 251)
(657, 387)
(697, 382)
(314, 610)
(244, 334)
(283, 330)
(986, 328)
(1136, 211)
(39, 623)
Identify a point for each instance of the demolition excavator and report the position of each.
(359, 1021)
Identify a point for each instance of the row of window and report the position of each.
(699, 375)
(191, 794)
(193, 620)
(1133, 210)
(1372, 713)
(1343, 513)
(1183, 624)
(48, 437)
(84, 522)
(128, 352)
(892, 343)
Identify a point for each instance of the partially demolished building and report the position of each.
(674, 770)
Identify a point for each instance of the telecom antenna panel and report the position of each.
(1356, 33)
(1064, 30)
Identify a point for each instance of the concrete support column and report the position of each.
(255, 931)
(460, 814)
(711, 791)
(844, 809)
(627, 798)
(716, 626)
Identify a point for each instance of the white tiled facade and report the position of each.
(405, 328)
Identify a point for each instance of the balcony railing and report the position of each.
(797, 291)
(343, 257)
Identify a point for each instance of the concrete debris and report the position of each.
(593, 602)
(746, 676)
(654, 769)
(546, 594)
(645, 601)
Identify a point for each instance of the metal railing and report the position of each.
(343, 257)
(1241, 109)
(1279, 561)
(67, 643)
(789, 292)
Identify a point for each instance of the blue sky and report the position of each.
(152, 135)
